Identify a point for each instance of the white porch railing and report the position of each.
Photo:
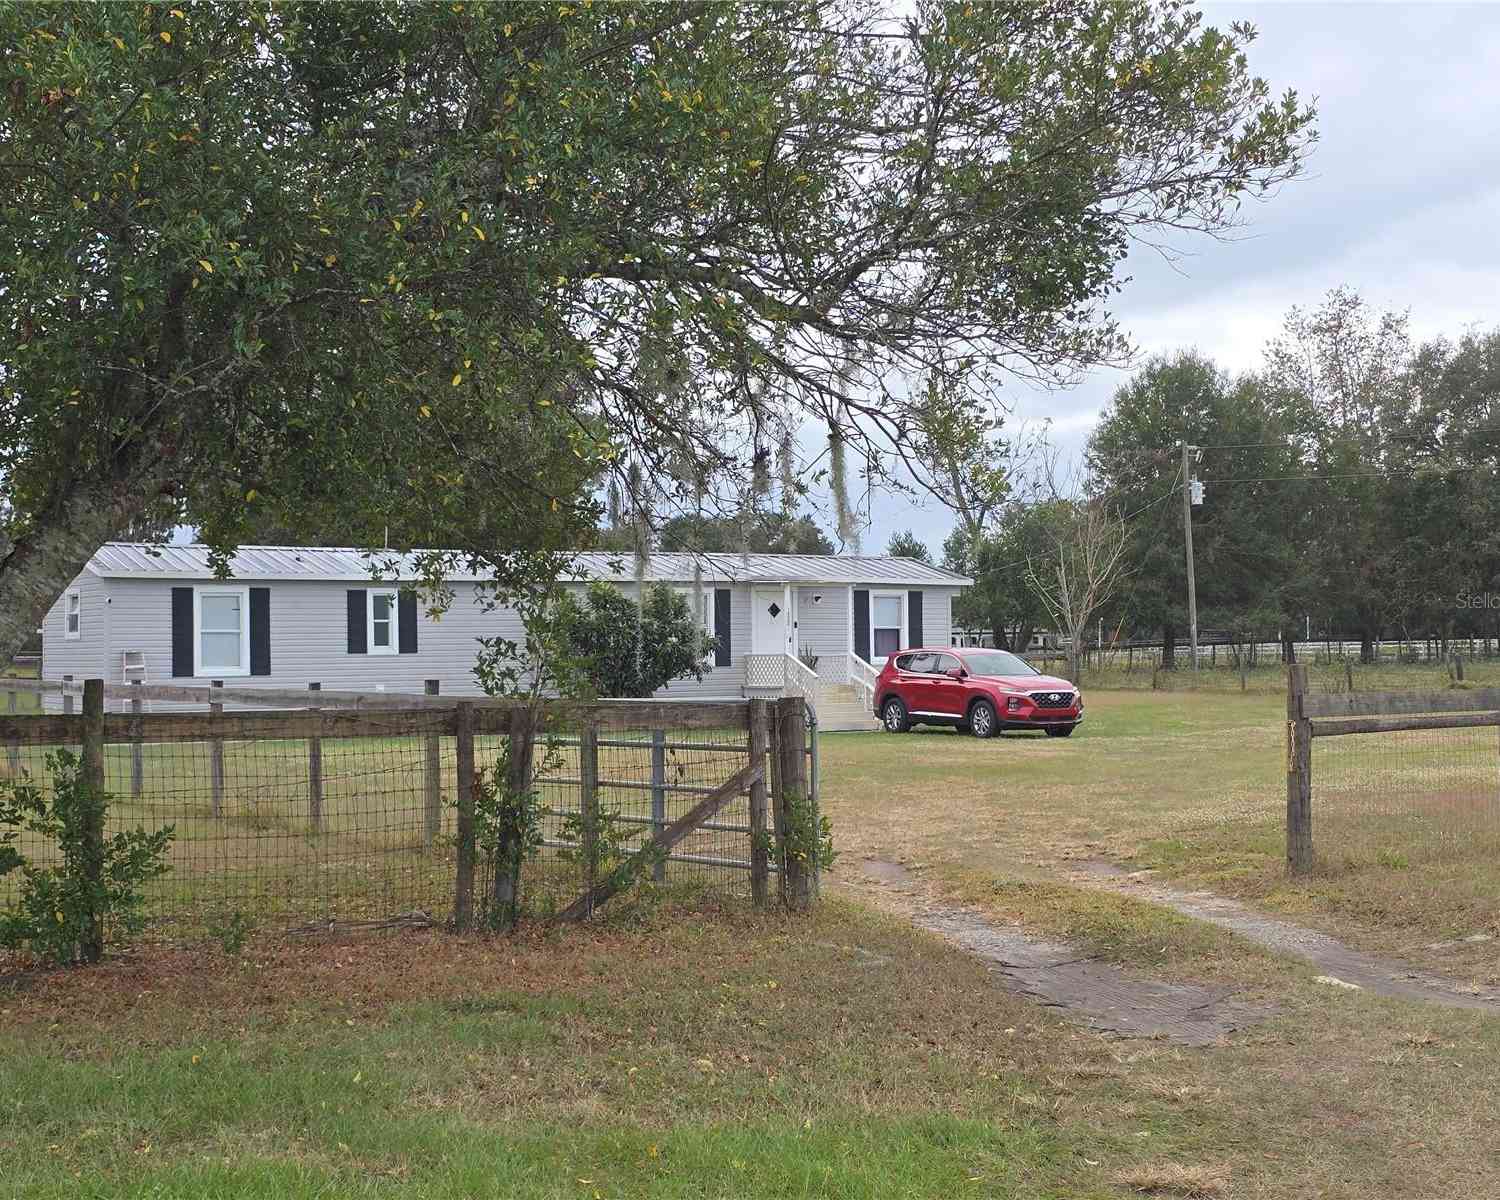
(766, 671)
(790, 676)
(783, 674)
(863, 676)
(801, 680)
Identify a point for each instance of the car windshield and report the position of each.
(998, 662)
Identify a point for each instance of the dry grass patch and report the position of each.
(1174, 1179)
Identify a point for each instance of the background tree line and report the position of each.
(1352, 486)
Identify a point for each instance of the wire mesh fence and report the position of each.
(1392, 779)
(1407, 797)
(284, 826)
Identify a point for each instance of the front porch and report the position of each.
(839, 688)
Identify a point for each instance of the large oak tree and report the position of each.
(441, 265)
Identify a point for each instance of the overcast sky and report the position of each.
(1401, 201)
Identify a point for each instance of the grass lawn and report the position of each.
(687, 1047)
(1193, 785)
(676, 1052)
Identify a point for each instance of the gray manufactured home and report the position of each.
(818, 626)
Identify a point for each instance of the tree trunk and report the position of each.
(1168, 648)
(1002, 640)
(1366, 646)
(1288, 648)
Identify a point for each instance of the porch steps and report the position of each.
(841, 707)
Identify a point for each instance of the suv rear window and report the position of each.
(903, 662)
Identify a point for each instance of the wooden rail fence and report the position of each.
(772, 736)
(1312, 715)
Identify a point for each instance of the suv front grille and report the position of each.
(1052, 699)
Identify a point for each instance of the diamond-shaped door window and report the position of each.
(774, 610)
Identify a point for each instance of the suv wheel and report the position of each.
(893, 716)
(982, 719)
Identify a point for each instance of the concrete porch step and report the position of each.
(833, 718)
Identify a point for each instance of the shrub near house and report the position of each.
(624, 650)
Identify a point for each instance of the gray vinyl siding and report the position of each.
(937, 616)
(309, 640)
(84, 657)
(823, 628)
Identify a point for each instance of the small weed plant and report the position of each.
(63, 910)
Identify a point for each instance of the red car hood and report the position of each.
(1031, 683)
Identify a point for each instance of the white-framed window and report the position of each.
(73, 615)
(384, 638)
(221, 631)
(703, 610)
(887, 623)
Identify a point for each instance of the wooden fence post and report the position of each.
(796, 879)
(506, 891)
(432, 780)
(315, 772)
(1299, 844)
(137, 750)
(1458, 667)
(13, 750)
(760, 851)
(463, 895)
(815, 798)
(216, 760)
(67, 699)
(588, 802)
(92, 763)
(659, 795)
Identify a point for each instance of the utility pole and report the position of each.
(1187, 538)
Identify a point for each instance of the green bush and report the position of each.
(63, 910)
(625, 649)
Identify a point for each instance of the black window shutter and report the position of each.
(723, 651)
(862, 623)
(182, 632)
(260, 631)
(358, 630)
(407, 619)
(914, 617)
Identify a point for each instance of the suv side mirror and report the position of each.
(955, 672)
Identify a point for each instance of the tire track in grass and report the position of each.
(1096, 994)
(1342, 966)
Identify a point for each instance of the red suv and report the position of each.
(983, 691)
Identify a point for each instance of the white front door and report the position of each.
(770, 621)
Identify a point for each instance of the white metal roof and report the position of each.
(137, 560)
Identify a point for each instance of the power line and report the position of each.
(1388, 437)
(1290, 443)
(1351, 475)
